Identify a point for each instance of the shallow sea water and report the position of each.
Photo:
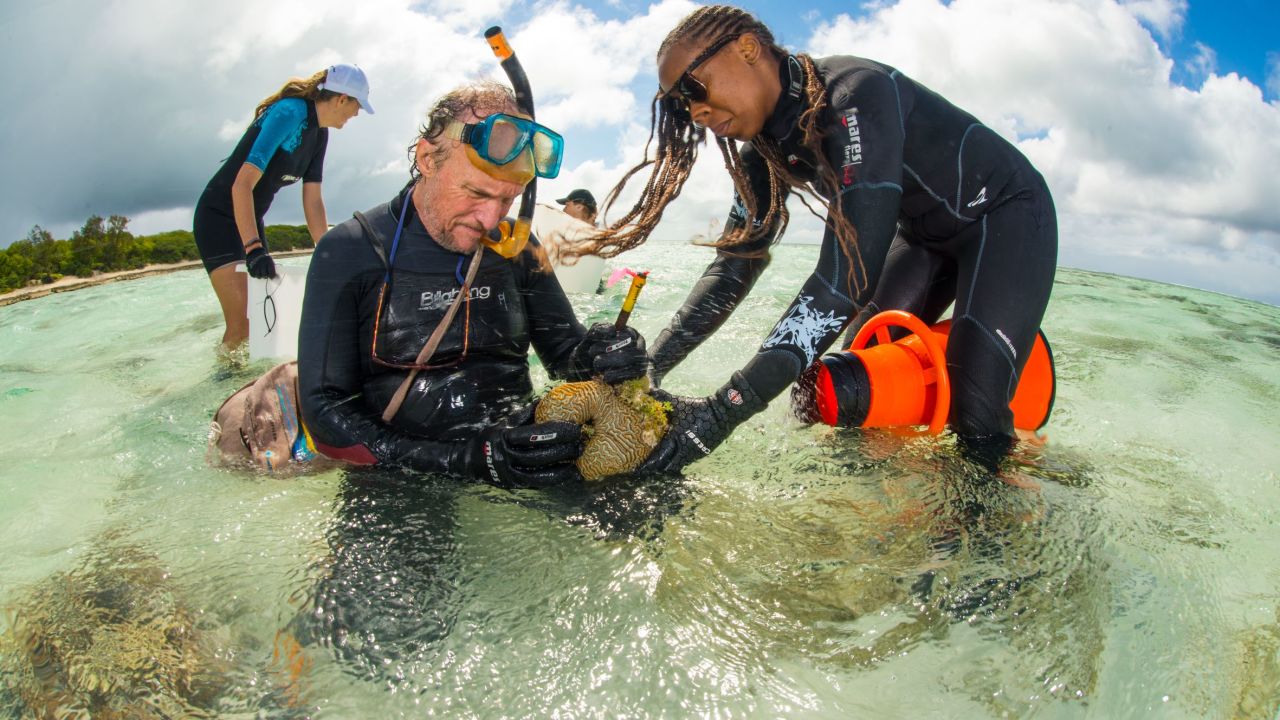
(1129, 568)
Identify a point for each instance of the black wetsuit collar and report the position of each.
(313, 119)
(786, 114)
(398, 201)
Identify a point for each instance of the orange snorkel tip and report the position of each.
(498, 43)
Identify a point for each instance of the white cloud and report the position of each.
(1203, 64)
(1273, 74)
(1164, 16)
(1199, 254)
(584, 65)
(129, 106)
(150, 222)
(1087, 87)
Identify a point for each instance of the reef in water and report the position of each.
(110, 638)
(623, 423)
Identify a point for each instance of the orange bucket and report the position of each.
(895, 384)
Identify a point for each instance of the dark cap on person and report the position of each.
(582, 195)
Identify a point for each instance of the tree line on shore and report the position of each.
(106, 245)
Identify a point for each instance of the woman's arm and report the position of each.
(242, 203)
(313, 210)
(278, 122)
(726, 281)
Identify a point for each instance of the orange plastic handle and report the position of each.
(879, 327)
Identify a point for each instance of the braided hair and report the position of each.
(678, 139)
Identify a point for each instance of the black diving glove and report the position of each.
(520, 453)
(699, 425)
(259, 263)
(615, 355)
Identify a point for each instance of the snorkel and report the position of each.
(514, 239)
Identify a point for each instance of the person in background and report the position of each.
(580, 204)
(285, 143)
(429, 267)
(925, 206)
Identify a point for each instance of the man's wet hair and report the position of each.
(478, 100)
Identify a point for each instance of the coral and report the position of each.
(623, 423)
(107, 639)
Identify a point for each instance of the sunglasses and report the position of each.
(501, 138)
(687, 88)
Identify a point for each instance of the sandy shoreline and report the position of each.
(73, 282)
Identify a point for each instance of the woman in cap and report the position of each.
(924, 206)
(285, 143)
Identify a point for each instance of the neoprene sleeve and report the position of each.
(726, 281)
(827, 301)
(281, 126)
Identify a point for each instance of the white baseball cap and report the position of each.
(349, 80)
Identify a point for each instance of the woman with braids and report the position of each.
(925, 206)
(285, 143)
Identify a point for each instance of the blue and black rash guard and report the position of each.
(908, 163)
(287, 144)
(481, 367)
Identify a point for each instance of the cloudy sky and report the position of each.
(1156, 122)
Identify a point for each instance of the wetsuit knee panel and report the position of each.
(983, 379)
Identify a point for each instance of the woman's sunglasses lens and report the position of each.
(677, 107)
(691, 88)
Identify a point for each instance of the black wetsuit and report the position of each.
(945, 210)
(481, 365)
(293, 150)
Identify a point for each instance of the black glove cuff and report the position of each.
(615, 354)
(738, 400)
(472, 461)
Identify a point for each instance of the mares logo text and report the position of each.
(853, 145)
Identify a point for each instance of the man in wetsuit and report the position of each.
(927, 206)
(381, 285)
